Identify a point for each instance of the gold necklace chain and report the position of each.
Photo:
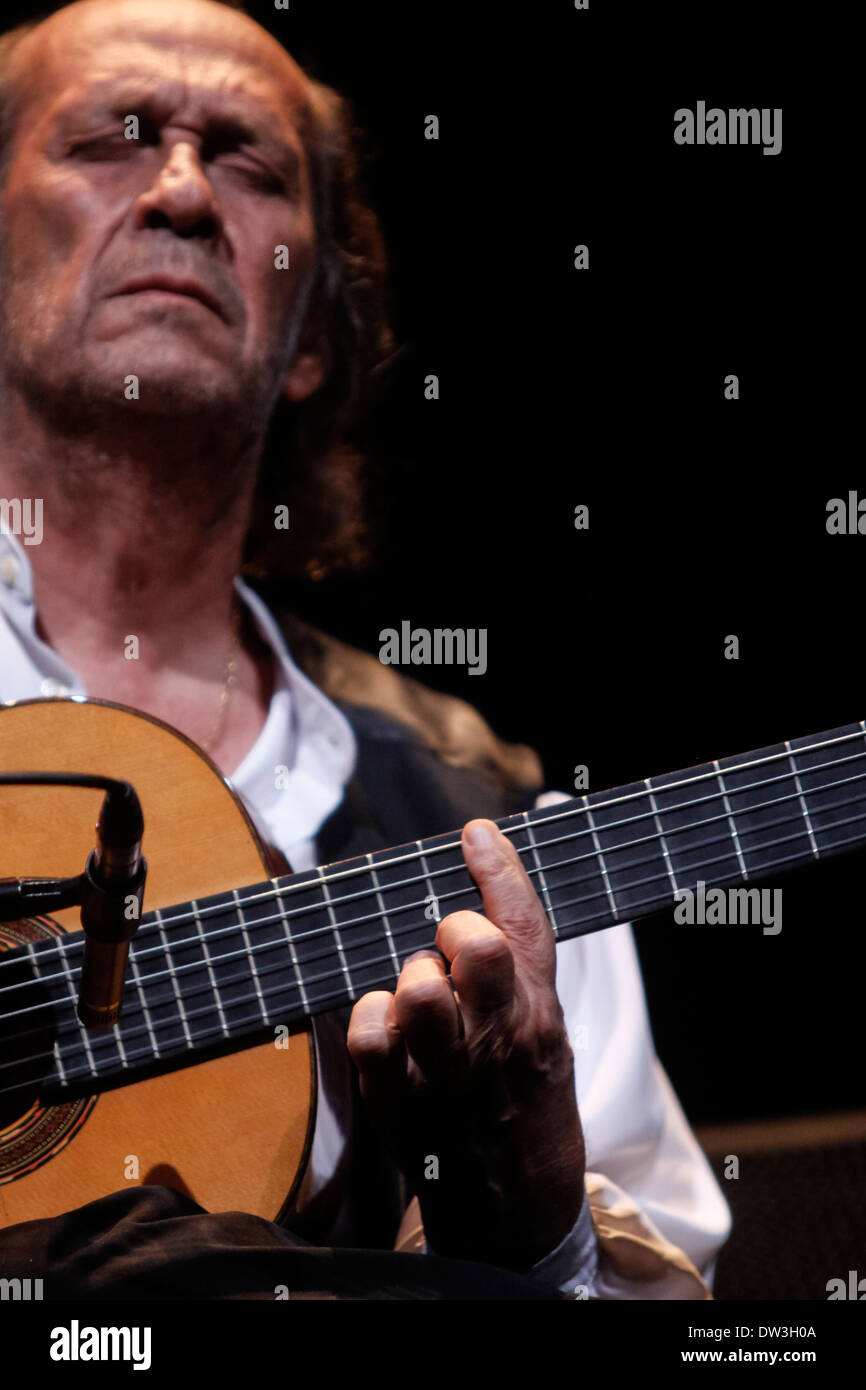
(229, 680)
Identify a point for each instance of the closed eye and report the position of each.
(112, 146)
(115, 143)
(227, 147)
(252, 172)
(106, 147)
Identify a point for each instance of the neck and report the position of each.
(147, 519)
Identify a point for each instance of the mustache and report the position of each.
(178, 264)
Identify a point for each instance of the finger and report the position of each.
(377, 1047)
(427, 1013)
(482, 966)
(509, 899)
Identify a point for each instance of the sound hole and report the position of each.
(30, 1132)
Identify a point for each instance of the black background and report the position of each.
(707, 516)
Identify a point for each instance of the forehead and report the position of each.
(170, 53)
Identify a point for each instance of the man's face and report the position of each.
(108, 242)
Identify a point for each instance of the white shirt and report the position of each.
(635, 1132)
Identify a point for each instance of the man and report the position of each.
(150, 329)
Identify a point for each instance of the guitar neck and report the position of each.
(238, 964)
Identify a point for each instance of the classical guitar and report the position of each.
(208, 1081)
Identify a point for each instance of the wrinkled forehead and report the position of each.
(168, 54)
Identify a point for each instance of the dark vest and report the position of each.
(426, 764)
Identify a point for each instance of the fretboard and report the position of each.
(239, 965)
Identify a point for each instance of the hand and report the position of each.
(476, 1082)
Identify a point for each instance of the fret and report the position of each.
(625, 829)
(232, 963)
(80, 1034)
(407, 885)
(315, 962)
(174, 950)
(661, 834)
(334, 927)
(697, 828)
(145, 1010)
(58, 1062)
(545, 892)
(275, 986)
(31, 951)
(210, 971)
(173, 977)
(731, 822)
(448, 879)
(355, 908)
(154, 1014)
(803, 807)
(562, 841)
(255, 974)
(87, 1054)
(114, 1038)
(387, 925)
(597, 845)
(292, 953)
(431, 898)
(832, 779)
(764, 799)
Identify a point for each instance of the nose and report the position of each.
(181, 197)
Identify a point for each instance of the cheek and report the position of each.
(275, 280)
(45, 223)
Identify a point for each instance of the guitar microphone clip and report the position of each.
(112, 892)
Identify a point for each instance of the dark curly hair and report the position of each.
(311, 461)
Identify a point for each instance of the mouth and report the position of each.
(176, 287)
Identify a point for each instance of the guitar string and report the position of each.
(327, 954)
(564, 813)
(568, 811)
(63, 946)
(691, 781)
(292, 986)
(251, 1022)
(165, 949)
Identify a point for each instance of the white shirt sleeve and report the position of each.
(650, 1192)
(635, 1132)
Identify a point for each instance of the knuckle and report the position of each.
(547, 1017)
(370, 1006)
(461, 920)
(487, 952)
(421, 996)
(549, 1042)
(523, 900)
(369, 1042)
(368, 1032)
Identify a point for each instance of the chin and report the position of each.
(164, 382)
(167, 393)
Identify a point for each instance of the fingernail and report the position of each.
(482, 834)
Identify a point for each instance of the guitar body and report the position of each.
(234, 1131)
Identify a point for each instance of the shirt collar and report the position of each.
(321, 735)
(16, 573)
(317, 723)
